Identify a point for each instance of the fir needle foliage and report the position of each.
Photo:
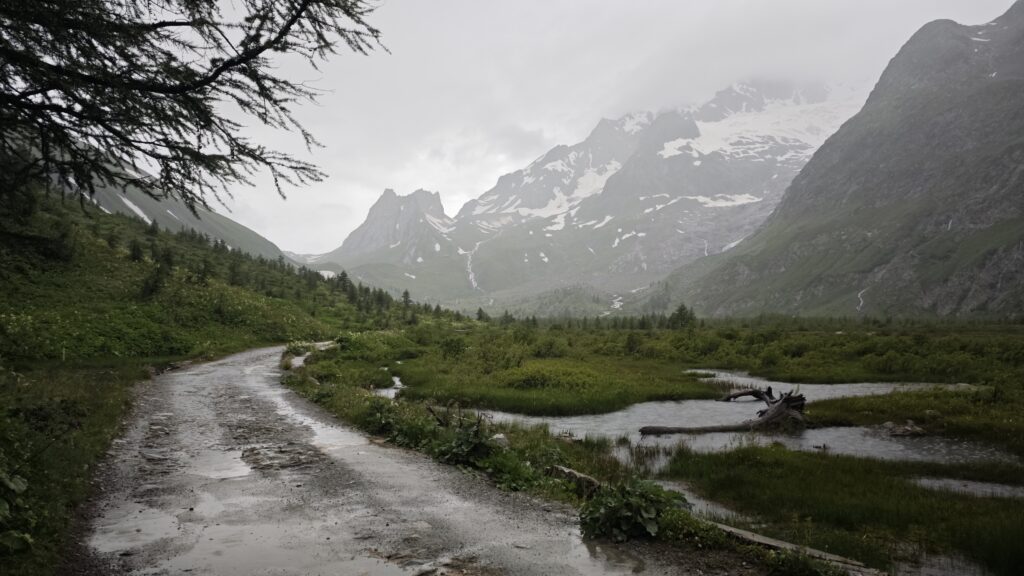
(135, 92)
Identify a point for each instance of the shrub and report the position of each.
(468, 445)
(634, 509)
(452, 347)
(510, 471)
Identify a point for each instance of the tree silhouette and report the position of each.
(133, 93)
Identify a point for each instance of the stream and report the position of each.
(853, 441)
(870, 442)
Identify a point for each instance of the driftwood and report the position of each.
(585, 485)
(787, 410)
(765, 395)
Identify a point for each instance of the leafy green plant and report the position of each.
(510, 471)
(15, 516)
(634, 509)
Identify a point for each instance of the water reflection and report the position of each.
(852, 441)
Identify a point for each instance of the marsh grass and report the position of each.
(860, 508)
(552, 386)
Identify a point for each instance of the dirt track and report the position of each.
(223, 471)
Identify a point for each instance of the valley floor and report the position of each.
(223, 471)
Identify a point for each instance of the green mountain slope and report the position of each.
(80, 284)
(915, 206)
(172, 214)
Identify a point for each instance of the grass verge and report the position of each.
(58, 423)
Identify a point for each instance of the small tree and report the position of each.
(452, 348)
(482, 316)
(135, 251)
(683, 317)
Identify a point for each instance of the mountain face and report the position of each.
(173, 215)
(914, 207)
(606, 217)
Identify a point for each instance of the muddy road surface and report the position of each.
(224, 471)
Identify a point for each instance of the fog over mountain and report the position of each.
(471, 90)
(914, 207)
(585, 224)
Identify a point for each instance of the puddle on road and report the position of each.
(131, 526)
(208, 506)
(219, 465)
(593, 558)
(325, 436)
(226, 549)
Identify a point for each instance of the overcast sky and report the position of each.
(473, 89)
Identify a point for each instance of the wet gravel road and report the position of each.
(224, 471)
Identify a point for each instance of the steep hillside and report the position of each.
(916, 205)
(78, 284)
(173, 215)
(606, 217)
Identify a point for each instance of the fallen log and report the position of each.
(785, 412)
(765, 395)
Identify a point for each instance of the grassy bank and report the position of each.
(861, 508)
(590, 384)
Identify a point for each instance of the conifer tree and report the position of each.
(133, 93)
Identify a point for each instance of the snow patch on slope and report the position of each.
(803, 128)
(138, 211)
(725, 200)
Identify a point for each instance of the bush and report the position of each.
(510, 471)
(467, 446)
(452, 347)
(631, 510)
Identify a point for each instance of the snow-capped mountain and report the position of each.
(558, 181)
(639, 197)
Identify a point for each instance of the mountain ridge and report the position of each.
(613, 213)
(914, 207)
